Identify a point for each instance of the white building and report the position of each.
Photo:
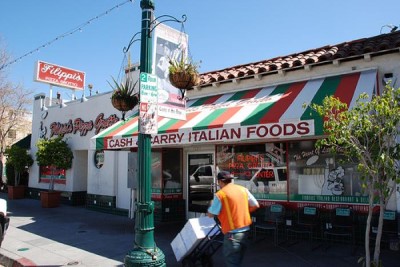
(247, 119)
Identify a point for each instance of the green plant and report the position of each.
(10, 174)
(56, 153)
(181, 64)
(123, 90)
(20, 160)
(124, 97)
(367, 133)
(183, 74)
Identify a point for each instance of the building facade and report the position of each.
(249, 119)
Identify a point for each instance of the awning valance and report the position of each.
(274, 112)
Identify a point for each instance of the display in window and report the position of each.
(264, 180)
(326, 181)
(275, 153)
(333, 183)
(46, 175)
(99, 158)
(261, 168)
(318, 175)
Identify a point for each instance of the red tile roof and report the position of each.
(384, 43)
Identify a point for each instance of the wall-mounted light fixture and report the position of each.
(388, 79)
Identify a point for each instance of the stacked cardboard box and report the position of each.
(191, 234)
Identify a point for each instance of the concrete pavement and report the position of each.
(76, 236)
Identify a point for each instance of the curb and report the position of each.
(8, 259)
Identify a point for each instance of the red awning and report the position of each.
(274, 112)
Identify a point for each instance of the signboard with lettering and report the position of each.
(79, 126)
(59, 76)
(148, 88)
(148, 103)
(227, 134)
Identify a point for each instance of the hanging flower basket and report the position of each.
(123, 97)
(124, 103)
(184, 79)
(183, 73)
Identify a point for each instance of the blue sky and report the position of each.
(221, 33)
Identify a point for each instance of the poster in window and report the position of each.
(99, 158)
(46, 175)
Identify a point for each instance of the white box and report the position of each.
(178, 247)
(191, 234)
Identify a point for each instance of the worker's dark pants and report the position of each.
(235, 245)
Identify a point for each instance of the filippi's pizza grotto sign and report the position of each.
(59, 76)
(82, 127)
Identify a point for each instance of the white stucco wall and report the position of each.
(83, 176)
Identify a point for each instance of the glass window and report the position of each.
(205, 170)
(156, 170)
(201, 181)
(172, 170)
(261, 168)
(47, 173)
(318, 175)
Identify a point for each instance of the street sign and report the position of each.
(148, 88)
(148, 104)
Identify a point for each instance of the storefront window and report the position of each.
(46, 175)
(201, 181)
(261, 168)
(317, 175)
(166, 171)
(156, 171)
(172, 170)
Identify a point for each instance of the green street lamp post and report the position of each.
(145, 251)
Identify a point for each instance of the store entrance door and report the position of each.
(201, 184)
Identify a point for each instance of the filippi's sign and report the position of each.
(60, 76)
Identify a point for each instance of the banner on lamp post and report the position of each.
(169, 43)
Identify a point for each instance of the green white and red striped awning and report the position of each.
(269, 113)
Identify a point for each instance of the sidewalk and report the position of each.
(76, 236)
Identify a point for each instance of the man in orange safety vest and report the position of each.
(233, 205)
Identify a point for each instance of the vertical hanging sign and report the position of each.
(148, 104)
(169, 44)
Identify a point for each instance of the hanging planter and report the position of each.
(123, 97)
(184, 79)
(124, 103)
(183, 74)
